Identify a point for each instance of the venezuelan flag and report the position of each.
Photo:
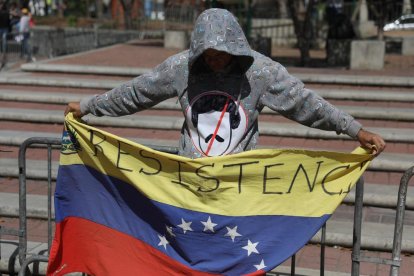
(125, 209)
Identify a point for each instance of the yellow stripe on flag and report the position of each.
(259, 182)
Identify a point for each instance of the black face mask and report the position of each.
(200, 67)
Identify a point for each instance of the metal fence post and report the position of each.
(399, 222)
(322, 259)
(356, 247)
(22, 201)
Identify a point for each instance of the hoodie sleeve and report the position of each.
(287, 95)
(140, 93)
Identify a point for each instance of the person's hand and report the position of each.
(371, 141)
(74, 107)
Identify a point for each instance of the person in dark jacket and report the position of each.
(222, 86)
(15, 15)
(4, 25)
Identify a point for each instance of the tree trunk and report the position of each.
(407, 9)
(381, 20)
(303, 30)
(99, 9)
(61, 7)
(283, 12)
(127, 6)
(87, 4)
(378, 8)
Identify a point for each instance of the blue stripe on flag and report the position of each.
(203, 241)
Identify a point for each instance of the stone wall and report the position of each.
(338, 52)
(281, 31)
(50, 41)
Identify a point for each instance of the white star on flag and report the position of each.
(208, 225)
(185, 225)
(170, 231)
(251, 247)
(260, 266)
(232, 233)
(163, 242)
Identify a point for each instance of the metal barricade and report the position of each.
(49, 143)
(21, 252)
(11, 50)
(55, 143)
(395, 262)
(24, 259)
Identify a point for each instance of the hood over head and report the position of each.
(218, 29)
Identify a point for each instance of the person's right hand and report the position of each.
(371, 141)
(74, 107)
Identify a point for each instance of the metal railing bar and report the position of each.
(49, 197)
(377, 260)
(399, 221)
(273, 26)
(25, 265)
(322, 261)
(356, 248)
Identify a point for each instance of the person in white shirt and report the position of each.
(24, 33)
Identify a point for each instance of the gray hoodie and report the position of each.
(221, 109)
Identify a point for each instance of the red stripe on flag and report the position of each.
(84, 246)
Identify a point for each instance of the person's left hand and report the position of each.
(371, 141)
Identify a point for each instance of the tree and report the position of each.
(127, 6)
(301, 17)
(379, 10)
(407, 7)
(99, 8)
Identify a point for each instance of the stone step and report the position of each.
(56, 97)
(307, 78)
(286, 270)
(60, 81)
(83, 69)
(16, 138)
(375, 236)
(400, 135)
(360, 112)
(362, 80)
(22, 79)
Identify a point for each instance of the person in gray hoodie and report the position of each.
(222, 86)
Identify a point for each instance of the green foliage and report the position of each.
(76, 7)
(72, 20)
